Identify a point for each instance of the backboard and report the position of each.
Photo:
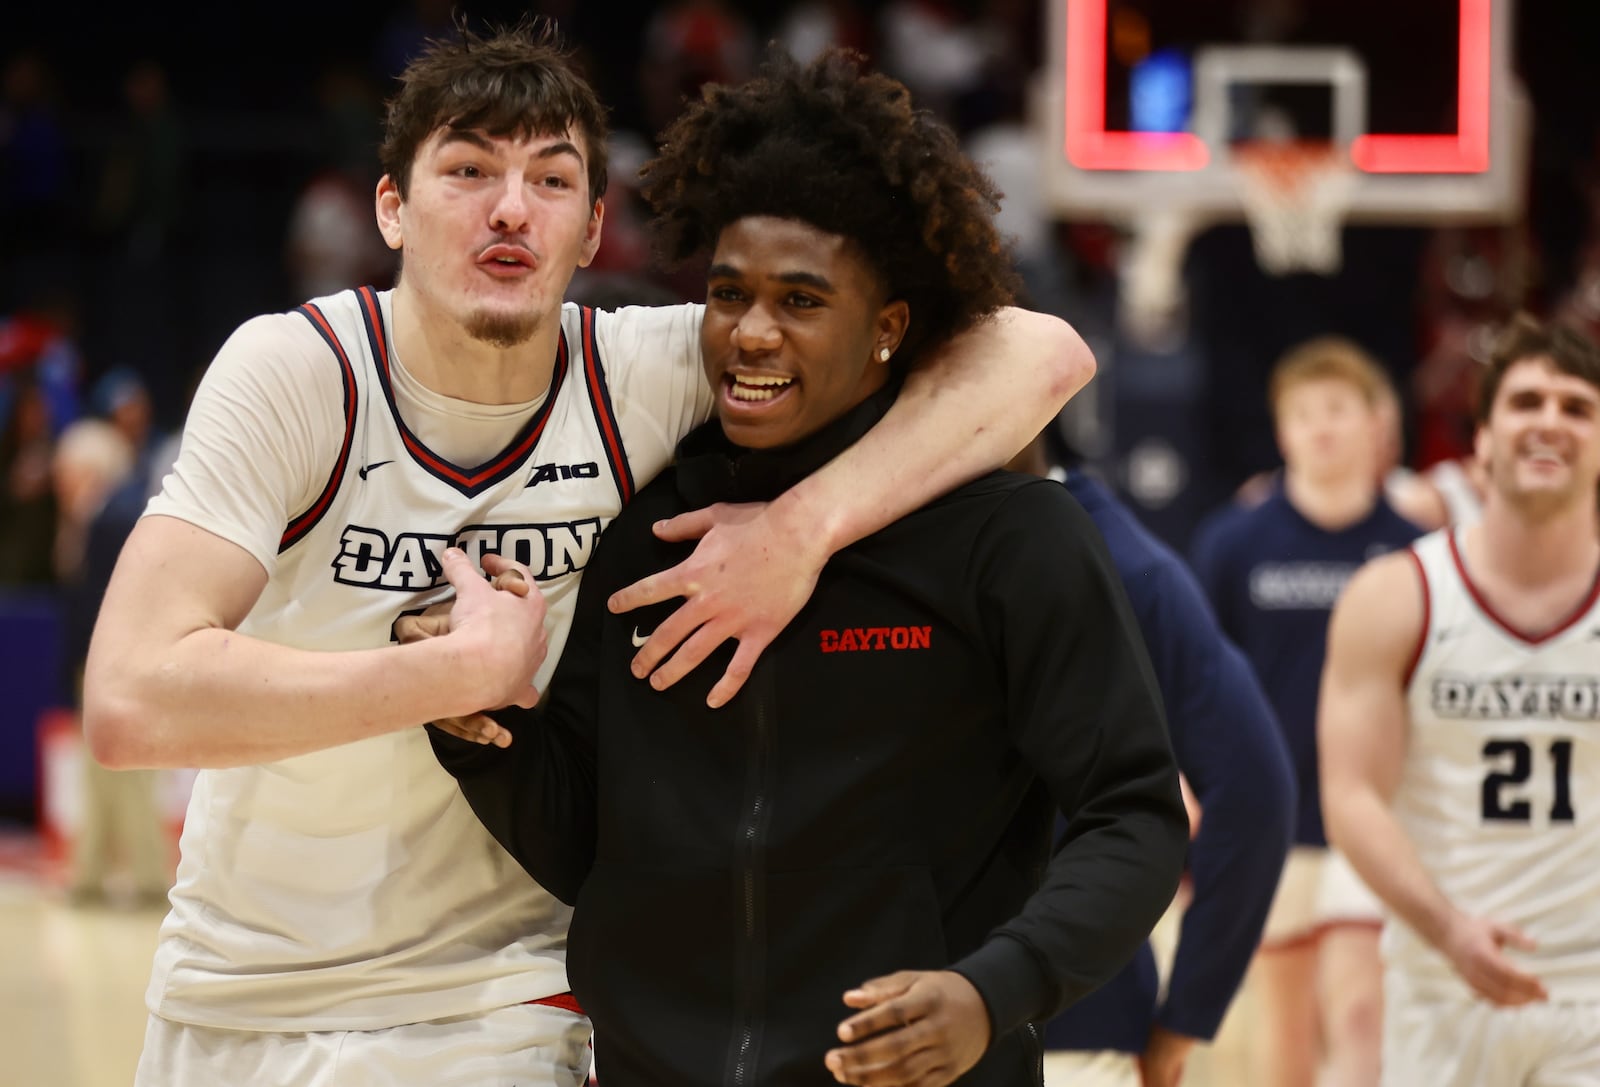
(1152, 109)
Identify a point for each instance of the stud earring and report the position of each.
(883, 354)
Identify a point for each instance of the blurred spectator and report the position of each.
(811, 26)
(27, 499)
(34, 167)
(91, 460)
(687, 44)
(332, 242)
(142, 181)
(1411, 493)
(1461, 485)
(1579, 305)
(40, 339)
(624, 245)
(1008, 151)
(350, 119)
(1473, 278)
(1483, 270)
(408, 29)
(99, 499)
(164, 450)
(941, 54)
(1012, 33)
(142, 220)
(122, 398)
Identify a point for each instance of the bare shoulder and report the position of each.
(1382, 610)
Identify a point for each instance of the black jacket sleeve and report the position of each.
(538, 796)
(1084, 709)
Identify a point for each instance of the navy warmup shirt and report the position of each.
(1273, 577)
(1229, 748)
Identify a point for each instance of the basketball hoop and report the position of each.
(1295, 197)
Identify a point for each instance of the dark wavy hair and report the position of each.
(842, 149)
(1526, 337)
(521, 81)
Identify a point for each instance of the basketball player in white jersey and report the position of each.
(1460, 760)
(340, 916)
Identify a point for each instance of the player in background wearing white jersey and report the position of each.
(339, 915)
(1459, 758)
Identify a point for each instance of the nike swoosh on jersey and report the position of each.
(362, 472)
(639, 639)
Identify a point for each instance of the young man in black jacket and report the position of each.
(864, 832)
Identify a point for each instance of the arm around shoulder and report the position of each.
(966, 409)
(1005, 379)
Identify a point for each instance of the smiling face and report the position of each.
(492, 229)
(795, 322)
(1540, 444)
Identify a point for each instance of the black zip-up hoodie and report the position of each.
(880, 796)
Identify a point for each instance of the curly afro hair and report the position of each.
(841, 149)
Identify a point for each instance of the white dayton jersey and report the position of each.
(353, 888)
(1501, 789)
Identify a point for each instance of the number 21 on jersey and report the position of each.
(1512, 766)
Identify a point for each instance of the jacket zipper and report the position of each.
(1035, 1047)
(750, 979)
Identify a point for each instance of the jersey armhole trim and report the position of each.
(605, 413)
(305, 522)
(1427, 617)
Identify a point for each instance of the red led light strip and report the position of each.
(1089, 146)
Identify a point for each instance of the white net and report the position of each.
(1295, 197)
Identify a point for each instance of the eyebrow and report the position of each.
(560, 147)
(479, 140)
(1561, 396)
(797, 279)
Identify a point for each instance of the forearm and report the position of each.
(217, 698)
(1236, 761)
(1363, 827)
(965, 411)
(1235, 871)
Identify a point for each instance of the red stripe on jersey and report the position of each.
(598, 396)
(1427, 615)
(564, 1001)
(303, 523)
(428, 457)
(1516, 632)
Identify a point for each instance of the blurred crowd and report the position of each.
(144, 217)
